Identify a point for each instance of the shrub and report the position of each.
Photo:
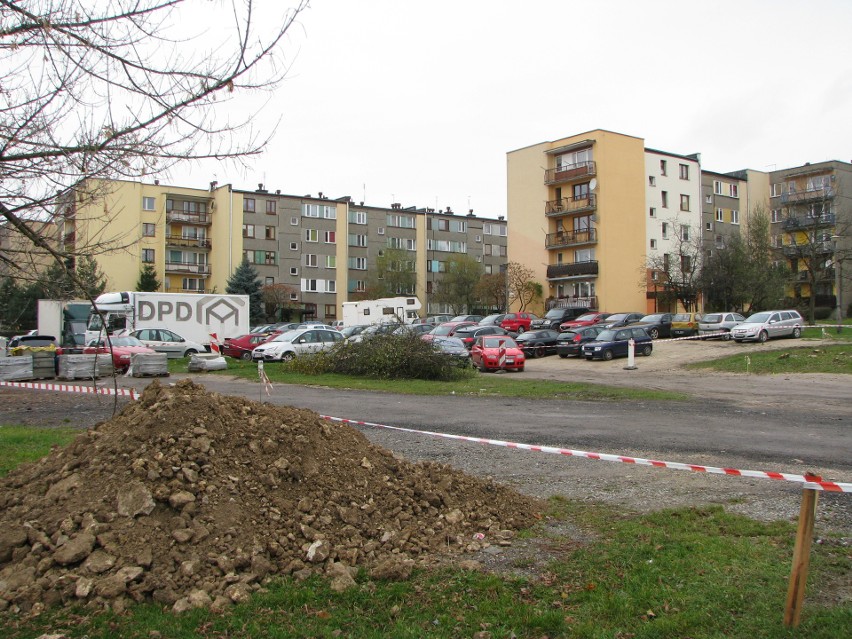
(383, 357)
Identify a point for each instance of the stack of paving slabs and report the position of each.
(207, 362)
(149, 365)
(85, 366)
(16, 368)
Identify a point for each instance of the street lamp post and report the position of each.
(837, 296)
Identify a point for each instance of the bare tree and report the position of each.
(521, 285)
(394, 274)
(491, 290)
(675, 276)
(277, 298)
(96, 91)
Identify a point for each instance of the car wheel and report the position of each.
(762, 337)
(246, 357)
(738, 341)
(190, 352)
(797, 333)
(288, 356)
(646, 350)
(563, 356)
(726, 337)
(540, 351)
(520, 329)
(607, 355)
(654, 333)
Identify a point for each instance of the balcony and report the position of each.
(561, 239)
(568, 205)
(569, 173)
(797, 197)
(177, 215)
(577, 269)
(797, 251)
(188, 242)
(573, 302)
(187, 267)
(804, 222)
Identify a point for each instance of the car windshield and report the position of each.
(289, 336)
(652, 318)
(490, 319)
(759, 318)
(554, 313)
(443, 329)
(681, 317)
(712, 318)
(449, 342)
(588, 317)
(567, 336)
(606, 336)
(126, 341)
(617, 317)
(497, 342)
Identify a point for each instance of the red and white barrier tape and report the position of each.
(808, 481)
(73, 388)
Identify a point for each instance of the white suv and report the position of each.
(768, 324)
(288, 345)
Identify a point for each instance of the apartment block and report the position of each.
(600, 212)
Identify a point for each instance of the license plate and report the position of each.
(510, 360)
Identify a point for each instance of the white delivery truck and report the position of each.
(192, 316)
(379, 311)
(65, 320)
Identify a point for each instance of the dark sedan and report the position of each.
(538, 343)
(617, 320)
(571, 341)
(614, 343)
(468, 334)
(657, 325)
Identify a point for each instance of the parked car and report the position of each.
(413, 329)
(447, 329)
(352, 331)
(712, 324)
(556, 316)
(371, 330)
(614, 342)
(165, 341)
(453, 347)
(242, 346)
(437, 319)
(518, 322)
(466, 318)
(497, 352)
(657, 324)
(123, 349)
(571, 342)
(337, 324)
(685, 324)
(300, 341)
(31, 340)
(468, 334)
(769, 324)
(617, 320)
(538, 342)
(587, 319)
(492, 320)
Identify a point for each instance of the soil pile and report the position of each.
(190, 498)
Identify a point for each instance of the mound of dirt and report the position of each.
(190, 498)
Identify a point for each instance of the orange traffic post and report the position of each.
(801, 556)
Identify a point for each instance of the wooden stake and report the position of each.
(801, 556)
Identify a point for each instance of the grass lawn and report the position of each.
(809, 358)
(505, 385)
(693, 572)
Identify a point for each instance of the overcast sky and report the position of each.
(419, 102)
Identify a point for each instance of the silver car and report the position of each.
(719, 325)
(769, 324)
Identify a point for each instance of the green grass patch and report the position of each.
(828, 330)
(814, 358)
(477, 384)
(696, 572)
(20, 444)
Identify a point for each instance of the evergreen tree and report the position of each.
(91, 277)
(148, 279)
(246, 281)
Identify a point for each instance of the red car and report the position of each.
(517, 322)
(588, 319)
(497, 352)
(122, 349)
(242, 346)
(447, 329)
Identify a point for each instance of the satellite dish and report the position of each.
(593, 184)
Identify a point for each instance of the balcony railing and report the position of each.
(175, 215)
(570, 238)
(569, 172)
(802, 221)
(806, 195)
(810, 248)
(191, 242)
(573, 302)
(187, 267)
(575, 269)
(567, 205)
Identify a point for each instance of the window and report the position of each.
(310, 210)
(331, 261)
(667, 262)
(248, 230)
(478, 239)
(294, 270)
(358, 263)
(653, 244)
(294, 297)
(329, 237)
(400, 221)
(193, 284)
(269, 257)
(405, 243)
(357, 240)
(329, 212)
(665, 198)
(663, 166)
(269, 281)
(684, 171)
(686, 263)
(269, 232)
(248, 205)
(294, 246)
(149, 230)
(248, 256)
(708, 226)
(147, 204)
(734, 190)
(708, 199)
(358, 286)
(294, 221)
(270, 207)
(580, 192)
(575, 158)
(776, 215)
(494, 229)
(357, 217)
(684, 233)
(717, 187)
(652, 212)
(665, 230)
(148, 256)
(330, 311)
(776, 189)
(381, 230)
(720, 215)
(584, 255)
(311, 235)
(652, 181)
(684, 202)
(735, 216)
(309, 259)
